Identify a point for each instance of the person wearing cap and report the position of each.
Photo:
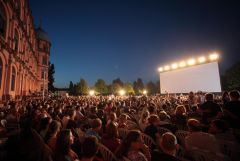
(199, 139)
(167, 148)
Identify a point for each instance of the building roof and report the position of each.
(41, 34)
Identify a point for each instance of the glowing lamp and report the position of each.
(191, 62)
(213, 56)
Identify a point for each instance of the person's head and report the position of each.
(144, 115)
(112, 116)
(112, 130)
(209, 97)
(153, 119)
(64, 141)
(89, 147)
(72, 113)
(217, 127)
(96, 124)
(152, 109)
(234, 95)
(133, 141)
(168, 143)
(163, 116)
(225, 95)
(193, 125)
(123, 118)
(194, 108)
(44, 123)
(180, 110)
(53, 128)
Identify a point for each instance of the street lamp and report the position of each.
(91, 92)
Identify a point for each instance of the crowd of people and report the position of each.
(76, 128)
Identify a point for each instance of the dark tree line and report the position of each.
(101, 87)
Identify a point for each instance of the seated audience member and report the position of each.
(143, 122)
(51, 135)
(27, 145)
(220, 130)
(168, 148)
(225, 98)
(110, 139)
(232, 109)
(63, 151)
(112, 118)
(179, 118)
(133, 148)
(44, 123)
(152, 128)
(96, 127)
(71, 124)
(194, 112)
(89, 148)
(122, 121)
(199, 139)
(65, 119)
(210, 110)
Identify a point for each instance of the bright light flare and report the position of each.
(213, 56)
(191, 62)
(145, 92)
(174, 66)
(166, 68)
(91, 93)
(202, 59)
(160, 69)
(122, 92)
(182, 64)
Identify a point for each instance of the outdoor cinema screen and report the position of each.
(204, 77)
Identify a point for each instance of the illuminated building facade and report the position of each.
(24, 51)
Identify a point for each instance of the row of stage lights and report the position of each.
(203, 59)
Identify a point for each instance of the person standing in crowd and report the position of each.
(209, 109)
(96, 127)
(232, 109)
(89, 148)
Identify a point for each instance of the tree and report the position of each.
(138, 86)
(115, 88)
(233, 77)
(101, 87)
(118, 81)
(151, 87)
(71, 88)
(129, 88)
(82, 87)
(51, 71)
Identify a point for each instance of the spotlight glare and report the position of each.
(91, 92)
(122, 92)
(144, 92)
(201, 59)
(174, 66)
(191, 62)
(166, 68)
(160, 69)
(182, 64)
(213, 56)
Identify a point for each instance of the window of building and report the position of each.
(1, 72)
(42, 75)
(44, 60)
(2, 21)
(13, 79)
(16, 40)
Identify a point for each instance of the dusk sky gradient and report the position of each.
(132, 38)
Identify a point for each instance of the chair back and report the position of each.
(203, 155)
(106, 153)
(231, 149)
(148, 140)
(162, 130)
(180, 134)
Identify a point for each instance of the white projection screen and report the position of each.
(204, 77)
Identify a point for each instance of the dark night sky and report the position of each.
(131, 38)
